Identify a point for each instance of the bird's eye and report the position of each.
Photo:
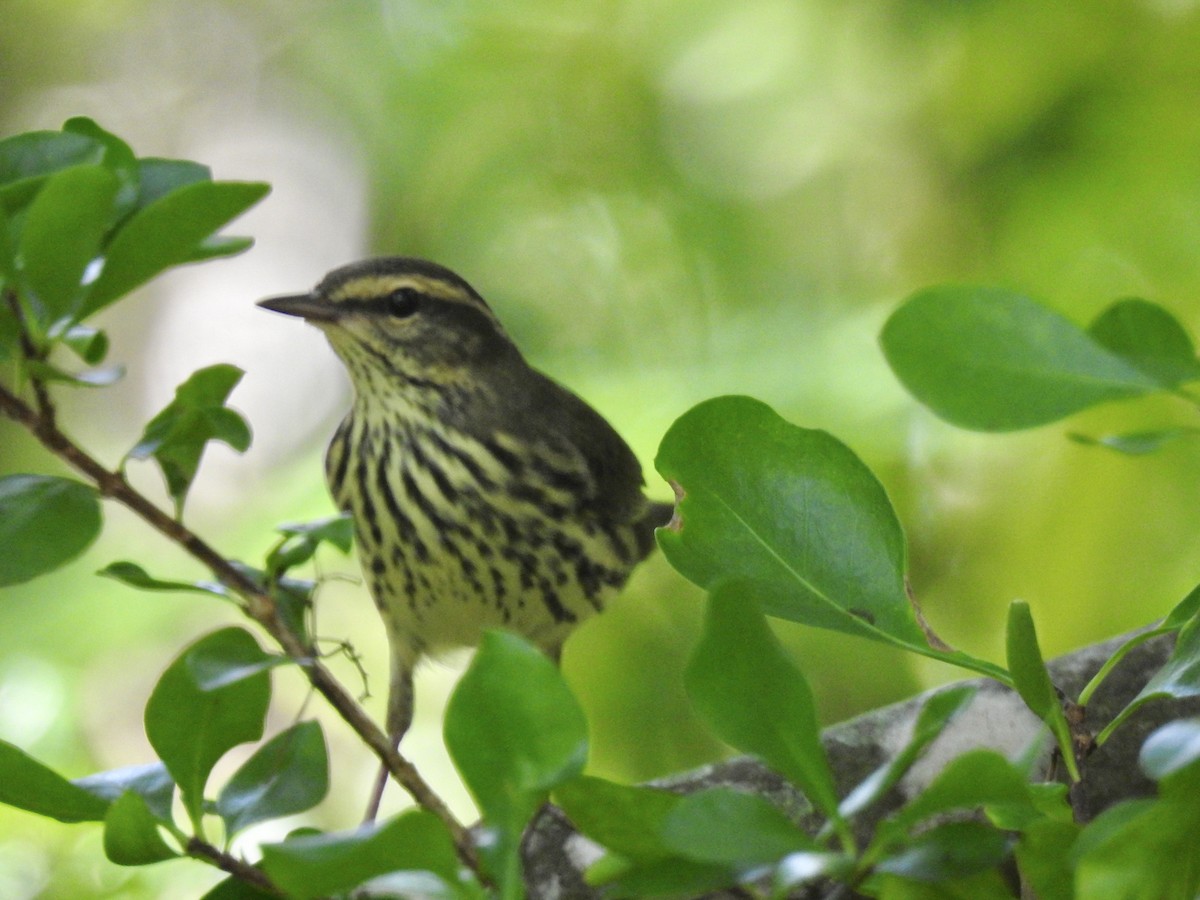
(403, 302)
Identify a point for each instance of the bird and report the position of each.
(483, 493)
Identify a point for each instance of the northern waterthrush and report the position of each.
(483, 493)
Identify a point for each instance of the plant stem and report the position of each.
(260, 606)
(238, 868)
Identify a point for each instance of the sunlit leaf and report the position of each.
(796, 518)
(1150, 338)
(289, 774)
(994, 360)
(45, 522)
(1136, 443)
(191, 726)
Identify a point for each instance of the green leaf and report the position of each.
(1032, 682)
(743, 684)
(993, 360)
(177, 435)
(62, 235)
(796, 517)
(1136, 443)
(288, 774)
(89, 344)
(515, 732)
(29, 785)
(984, 885)
(193, 719)
(725, 827)
(1043, 856)
(625, 819)
(935, 715)
(151, 781)
(216, 664)
(118, 159)
(26, 160)
(168, 232)
(977, 778)
(799, 869)
(1149, 338)
(952, 850)
(131, 836)
(319, 864)
(1179, 677)
(1141, 850)
(235, 889)
(45, 522)
(93, 378)
(159, 177)
(137, 577)
(301, 541)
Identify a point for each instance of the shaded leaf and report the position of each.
(731, 828)
(994, 360)
(1179, 677)
(976, 779)
(743, 684)
(151, 781)
(159, 177)
(168, 232)
(135, 576)
(289, 774)
(1150, 338)
(27, 159)
(29, 785)
(952, 850)
(1043, 855)
(176, 437)
(191, 726)
(626, 819)
(1171, 748)
(235, 889)
(1142, 850)
(45, 522)
(796, 518)
(319, 864)
(131, 836)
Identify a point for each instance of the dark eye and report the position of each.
(403, 302)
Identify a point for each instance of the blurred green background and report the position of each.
(664, 201)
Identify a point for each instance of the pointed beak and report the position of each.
(306, 306)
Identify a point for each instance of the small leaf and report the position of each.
(1185, 610)
(152, 782)
(1179, 677)
(319, 864)
(93, 378)
(935, 715)
(29, 785)
(89, 344)
(793, 515)
(755, 699)
(45, 522)
(1150, 338)
(302, 540)
(62, 234)
(137, 577)
(1032, 682)
(177, 435)
(993, 360)
(191, 726)
(168, 232)
(131, 835)
(952, 850)
(514, 731)
(1136, 443)
(288, 774)
(730, 828)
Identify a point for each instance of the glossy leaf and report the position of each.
(793, 516)
(45, 522)
(994, 360)
(1172, 748)
(168, 232)
(151, 781)
(176, 437)
(320, 864)
(933, 718)
(742, 683)
(131, 836)
(515, 732)
(192, 727)
(135, 576)
(1032, 681)
(62, 235)
(29, 785)
(725, 827)
(289, 774)
(1179, 677)
(1150, 338)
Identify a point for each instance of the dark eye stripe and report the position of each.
(403, 302)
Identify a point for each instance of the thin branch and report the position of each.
(260, 606)
(238, 868)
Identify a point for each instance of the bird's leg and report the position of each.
(399, 718)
